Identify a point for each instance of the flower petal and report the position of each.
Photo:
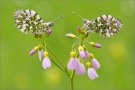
(87, 55)
(46, 63)
(81, 69)
(92, 73)
(40, 54)
(73, 64)
(95, 63)
(82, 54)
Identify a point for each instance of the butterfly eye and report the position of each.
(84, 21)
(51, 24)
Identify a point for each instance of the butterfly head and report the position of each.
(84, 21)
(50, 24)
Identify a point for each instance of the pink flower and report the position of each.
(82, 54)
(87, 55)
(95, 63)
(73, 64)
(46, 63)
(40, 54)
(92, 73)
(81, 69)
(86, 34)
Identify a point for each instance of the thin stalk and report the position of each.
(81, 40)
(73, 46)
(71, 80)
(59, 67)
(56, 57)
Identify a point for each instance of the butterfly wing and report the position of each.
(105, 25)
(28, 21)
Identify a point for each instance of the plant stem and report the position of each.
(60, 67)
(73, 46)
(55, 56)
(71, 84)
(81, 40)
(71, 80)
(65, 69)
(59, 61)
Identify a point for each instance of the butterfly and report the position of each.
(105, 25)
(28, 22)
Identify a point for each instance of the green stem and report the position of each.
(56, 57)
(78, 38)
(81, 40)
(60, 67)
(59, 61)
(71, 80)
(86, 42)
(73, 46)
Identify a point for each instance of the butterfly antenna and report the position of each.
(58, 18)
(78, 15)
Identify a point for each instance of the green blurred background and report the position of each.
(19, 70)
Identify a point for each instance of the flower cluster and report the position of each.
(39, 35)
(82, 53)
(46, 63)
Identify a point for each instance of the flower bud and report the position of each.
(86, 34)
(79, 28)
(70, 35)
(96, 45)
(33, 51)
(49, 32)
(35, 34)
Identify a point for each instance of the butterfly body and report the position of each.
(28, 22)
(105, 25)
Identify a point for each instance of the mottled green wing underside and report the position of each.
(28, 21)
(105, 25)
